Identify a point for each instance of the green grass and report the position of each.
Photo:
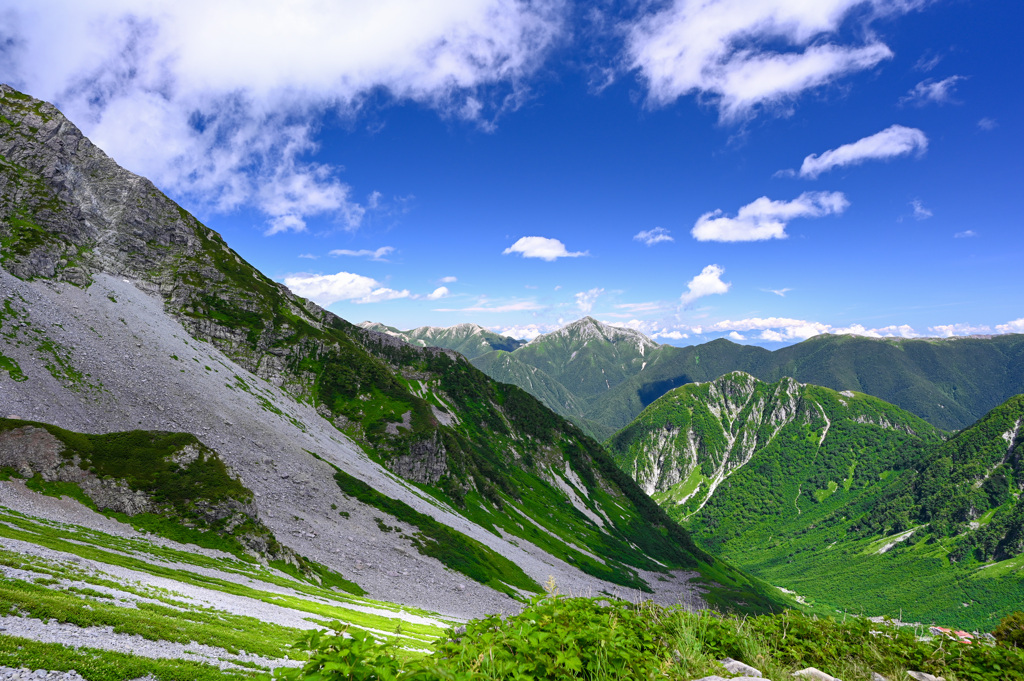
(317, 600)
(104, 665)
(12, 368)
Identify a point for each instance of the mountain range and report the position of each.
(342, 447)
(602, 376)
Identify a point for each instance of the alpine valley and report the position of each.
(198, 465)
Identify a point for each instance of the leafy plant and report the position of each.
(1010, 631)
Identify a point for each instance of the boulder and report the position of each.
(814, 674)
(737, 667)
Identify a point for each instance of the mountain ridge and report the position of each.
(613, 373)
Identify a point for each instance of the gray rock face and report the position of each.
(426, 462)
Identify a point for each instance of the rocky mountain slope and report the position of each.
(404, 469)
(602, 377)
(849, 501)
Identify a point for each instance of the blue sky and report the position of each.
(759, 170)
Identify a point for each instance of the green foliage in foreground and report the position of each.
(1010, 631)
(596, 639)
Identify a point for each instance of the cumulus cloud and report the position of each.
(1016, 326)
(377, 254)
(895, 140)
(950, 330)
(232, 90)
(541, 247)
(653, 236)
(744, 56)
(766, 219)
(707, 283)
(439, 292)
(785, 329)
(931, 91)
(525, 332)
(966, 234)
(325, 289)
(585, 299)
(737, 336)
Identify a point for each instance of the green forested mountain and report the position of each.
(614, 373)
(849, 501)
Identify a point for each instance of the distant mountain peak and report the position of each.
(587, 328)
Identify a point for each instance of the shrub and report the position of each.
(1010, 631)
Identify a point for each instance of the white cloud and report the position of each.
(526, 331)
(637, 308)
(927, 62)
(781, 292)
(766, 219)
(231, 90)
(988, 124)
(745, 55)
(484, 305)
(895, 140)
(377, 254)
(670, 335)
(1016, 326)
(285, 223)
(708, 282)
(448, 280)
(931, 91)
(585, 299)
(966, 234)
(736, 335)
(439, 292)
(308, 256)
(325, 289)
(653, 236)
(950, 330)
(782, 329)
(920, 212)
(541, 247)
